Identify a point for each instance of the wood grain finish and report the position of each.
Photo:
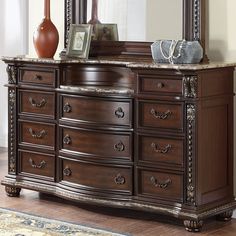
(37, 134)
(162, 185)
(36, 165)
(160, 115)
(160, 84)
(97, 143)
(160, 151)
(97, 111)
(98, 177)
(37, 103)
(38, 76)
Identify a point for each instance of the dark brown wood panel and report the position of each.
(98, 177)
(37, 103)
(94, 110)
(38, 76)
(159, 184)
(158, 150)
(160, 115)
(33, 163)
(102, 144)
(37, 134)
(161, 84)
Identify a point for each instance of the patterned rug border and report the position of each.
(66, 223)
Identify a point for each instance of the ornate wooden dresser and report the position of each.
(133, 135)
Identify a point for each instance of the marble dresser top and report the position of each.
(122, 62)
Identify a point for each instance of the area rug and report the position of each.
(19, 224)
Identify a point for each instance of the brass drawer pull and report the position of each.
(38, 135)
(38, 77)
(67, 171)
(160, 115)
(160, 85)
(67, 108)
(40, 166)
(158, 149)
(38, 105)
(119, 179)
(120, 147)
(159, 184)
(67, 139)
(119, 113)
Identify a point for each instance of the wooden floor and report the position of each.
(117, 220)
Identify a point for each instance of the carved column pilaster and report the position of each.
(12, 131)
(191, 122)
(190, 86)
(12, 74)
(68, 19)
(196, 20)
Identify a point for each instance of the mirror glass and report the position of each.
(141, 20)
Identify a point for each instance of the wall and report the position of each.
(14, 41)
(36, 14)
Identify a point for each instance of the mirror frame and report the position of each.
(193, 29)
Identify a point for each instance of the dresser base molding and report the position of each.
(222, 212)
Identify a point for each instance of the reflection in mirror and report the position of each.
(141, 20)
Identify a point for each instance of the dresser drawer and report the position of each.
(37, 103)
(162, 185)
(162, 151)
(97, 177)
(38, 76)
(33, 163)
(102, 144)
(160, 84)
(37, 134)
(160, 115)
(97, 110)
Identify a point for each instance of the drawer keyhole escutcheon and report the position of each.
(160, 85)
(119, 179)
(38, 77)
(38, 135)
(41, 104)
(160, 115)
(159, 184)
(158, 149)
(119, 113)
(67, 108)
(120, 147)
(67, 139)
(35, 166)
(67, 171)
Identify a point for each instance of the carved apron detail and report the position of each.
(191, 119)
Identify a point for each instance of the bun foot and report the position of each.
(12, 191)
(225, 216)
(193, 225)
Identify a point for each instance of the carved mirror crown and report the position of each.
(193, 29)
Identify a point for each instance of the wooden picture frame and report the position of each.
(106, 32)
(79, 40)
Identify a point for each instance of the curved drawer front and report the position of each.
(161, 115)
(160, 84)
(37, 103)
(97, 143)
(32, 163)
(40, 135)
(160, 150)
(157, 184)
(100, 111)
(97, 177)
(38, 77)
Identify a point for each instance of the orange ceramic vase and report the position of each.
(46, 36)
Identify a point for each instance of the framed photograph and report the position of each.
(79, 41)
(106, 32)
